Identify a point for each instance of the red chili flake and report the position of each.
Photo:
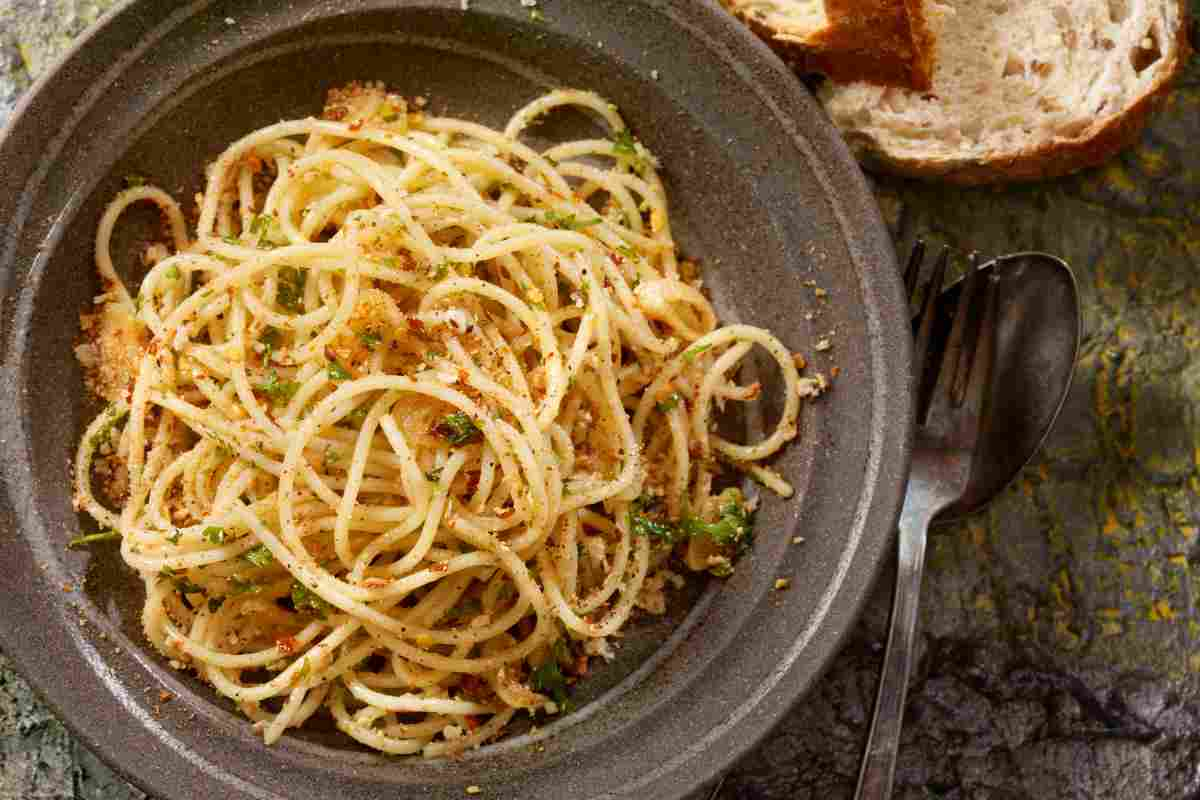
(287, 645)
(440, 566)
(472, 722)
(416, 324)
(835, 371)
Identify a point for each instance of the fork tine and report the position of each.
(975, 393)
(913, 270)
(963, 343)
(925, 324)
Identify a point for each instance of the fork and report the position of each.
(951, 394)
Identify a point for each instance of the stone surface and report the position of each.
(1060, 645)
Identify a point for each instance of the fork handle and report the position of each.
(879, 762)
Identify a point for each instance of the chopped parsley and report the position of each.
(239, 586)
(552, 219)
(624, 144)
(266, 228)
(133, 181)
(548, 679)
(307, 601)
(280, 392)
(458, 429)
(173, 273)
(175, 537)
(337, 372)
(290, 293)
(271, 338)
(434, 475)
(690, 355)
(106, 535)
(642, 523)
(215, 603)
(103, 434)
(439, 272)
(536, 15)
(231, 240)
(215, 534)
(734, 527)
(670, 404)
(259, 556)
(182, 583)
(370, 339)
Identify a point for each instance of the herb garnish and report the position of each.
(337, 372)
(271, 338)
(290, 293)
(279, 391)
(458, 429)
(548, 679)
(552, 219)
(260, 556)
(183, 585)
(240, 586)
(103, 435)
(370, 339)
(215, 534)
(266, 228)
(106, 535)
(735, 526)
(307, 601)
(670, 404)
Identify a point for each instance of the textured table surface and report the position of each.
(1060, 631)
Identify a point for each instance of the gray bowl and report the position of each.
(763, 191)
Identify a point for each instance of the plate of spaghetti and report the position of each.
(517, 404)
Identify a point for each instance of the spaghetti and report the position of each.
(416, 421)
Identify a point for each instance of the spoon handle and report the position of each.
(879, 763)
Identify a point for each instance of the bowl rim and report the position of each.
(870, 248)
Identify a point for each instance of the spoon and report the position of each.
(1036, 340)
(1037, 343)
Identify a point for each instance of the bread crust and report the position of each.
(883, 42)
(1049, 160)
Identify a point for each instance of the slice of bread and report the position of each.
(1022, 89)
(883, 42)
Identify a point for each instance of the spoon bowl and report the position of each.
(1039, 328)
